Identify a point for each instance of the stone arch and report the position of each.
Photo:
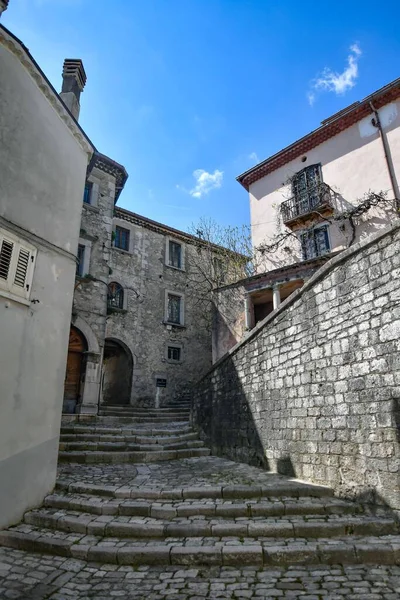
(93, 344)
(117, 372)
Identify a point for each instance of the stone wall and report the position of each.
(314, 391)
(141, 326)
(89, 313)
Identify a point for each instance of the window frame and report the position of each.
(87, 193)
(22, 259)
(181, 308)
(128, 234)
(313, 231)
(171, 240)
(120, 292)
(173, 346)
(219, 270)
(80, 261)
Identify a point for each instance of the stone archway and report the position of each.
(77, 348)
(117, 372)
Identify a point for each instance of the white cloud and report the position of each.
(253, 156)
(339, 83)
(205, 182)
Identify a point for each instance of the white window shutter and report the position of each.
(6, 256)
(17, 262)
(24, 262)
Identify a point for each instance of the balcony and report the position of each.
(315, 199)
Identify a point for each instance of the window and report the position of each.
(174, 309)
(115, 295)
(121, 238)
(315, 242)
(306, 189)
(219, 271)
(81, 260)
(175, 255)
(16, 265)
(87, 193)
(174, 353)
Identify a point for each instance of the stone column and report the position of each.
(276, 296)
(248, 312)
(91, 386)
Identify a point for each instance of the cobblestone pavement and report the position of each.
(208, 470)
(25, 576)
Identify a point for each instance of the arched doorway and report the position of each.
(117, 372)
(75, 366)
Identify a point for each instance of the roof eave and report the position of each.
(342, 115)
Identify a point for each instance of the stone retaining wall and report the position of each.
(314, 391)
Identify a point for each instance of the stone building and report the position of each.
(141, 320)
(302, 204)
(44, 156)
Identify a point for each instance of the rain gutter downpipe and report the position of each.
(376, 122)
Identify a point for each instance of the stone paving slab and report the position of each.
(24, 576)
(187, 472)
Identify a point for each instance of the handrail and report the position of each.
(306, 202)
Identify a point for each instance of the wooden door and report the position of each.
(73, 374)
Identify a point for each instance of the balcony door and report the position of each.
(305, 188)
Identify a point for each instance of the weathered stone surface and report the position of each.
(314, 391)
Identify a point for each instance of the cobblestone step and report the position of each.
(128, 456)
(147, 411)
(103, 446)
(133, 439)
(221, 509)
(153, 527)
(199, 551)
(283, 489)
(143, 431)
(145, 418)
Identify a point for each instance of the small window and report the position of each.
(219, 271)
(174, 353)
(315, 242)
(87, 194)
(16, 265)
(115, 295)
(175, 255)
(81, 260)
(121, 238)
(174, 309)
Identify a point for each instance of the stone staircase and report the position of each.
(127, 434)
(171, 514)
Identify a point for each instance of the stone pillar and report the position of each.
(276, 296)
(91, 386)
(248, 312)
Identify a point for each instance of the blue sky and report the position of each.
(187, 94)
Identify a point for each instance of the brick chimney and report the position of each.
(3, 6)
(74, 79)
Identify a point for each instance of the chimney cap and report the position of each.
(73, 67)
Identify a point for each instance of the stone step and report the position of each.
(145, 527)
(131, 457)
(383, 550)
(103, 446)
(156, 411)
(145, 418)
(171, 415)
(130, 439)
(223, 509)
(284, 489)
(144, 431)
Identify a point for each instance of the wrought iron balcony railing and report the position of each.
(311, 200)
